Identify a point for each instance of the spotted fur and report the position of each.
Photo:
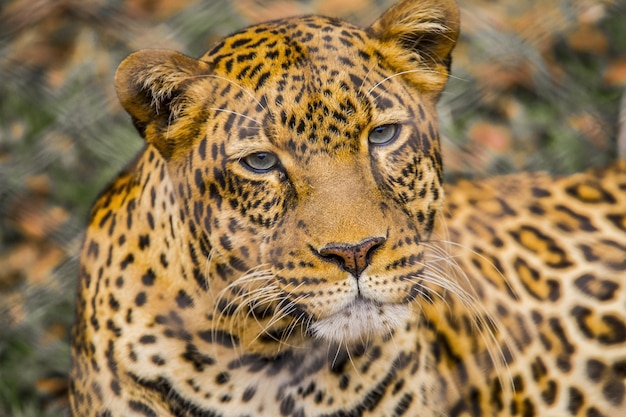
(281, 246)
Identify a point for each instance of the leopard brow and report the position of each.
(397, 74)
(389, 117)
(241, 152)
(238, 85)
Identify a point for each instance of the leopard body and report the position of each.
(282, 245)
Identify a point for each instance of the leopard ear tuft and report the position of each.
(425, 31)
(150, 83)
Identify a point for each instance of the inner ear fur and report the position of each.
(150, 84)
(420, 34)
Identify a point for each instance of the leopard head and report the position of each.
(306, 171)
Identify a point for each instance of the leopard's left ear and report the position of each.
(420, 35)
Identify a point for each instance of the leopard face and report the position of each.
(292, 160)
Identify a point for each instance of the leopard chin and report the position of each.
(360, 321)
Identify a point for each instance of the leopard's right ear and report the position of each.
(150, 85)
(418, 37)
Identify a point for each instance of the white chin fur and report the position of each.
(359, 322)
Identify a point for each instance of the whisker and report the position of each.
(369, 71)
(255, 276)
(421, 70)
(277, 318)
(242, 88)
(237, 113)
(444, 271)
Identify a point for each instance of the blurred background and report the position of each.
(537, 85)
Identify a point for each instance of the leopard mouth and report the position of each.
(360, 321)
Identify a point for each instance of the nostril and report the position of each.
(352, 258)
(332, 257)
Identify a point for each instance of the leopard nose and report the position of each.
(352, 258)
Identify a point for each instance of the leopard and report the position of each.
(285, 244)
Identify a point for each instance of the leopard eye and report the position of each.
(382, 135)
(260, 162)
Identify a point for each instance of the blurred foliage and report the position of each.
(536, 85)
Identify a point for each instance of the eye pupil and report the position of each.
(381, 135)
(261, 162)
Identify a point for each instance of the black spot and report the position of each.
(130, 258)
(202, 148)
(220, 337)
(549, 394)
(150, 221)
(356, 81)
(157, 360)
(538, 369)
(287, 405)
(563, 359)
(200, 279)
(144, 241)
(183, 299)
(199, 180)
(197, 359)
(540, 192)
(262, 79)
(140, 299)
(115, 329)
(115, 387)
(237, 264)
(248, 394)
(147, 339)
(240, 42)
(594, 412)
(403, 404)
(344, 381)
(595, 369)
(226, 243)
(93, 249)
(613, 391)
(142, 408)
(537, 209)
(619, 220)
(113, 303)
(110, 355)
(148, 278)
(226, 308)
(222, 378)
(619, 369)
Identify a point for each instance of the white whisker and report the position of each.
(245, 90)
(235, 112)
(443, 271)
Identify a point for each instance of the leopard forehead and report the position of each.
(312, 48)
(308, 85)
